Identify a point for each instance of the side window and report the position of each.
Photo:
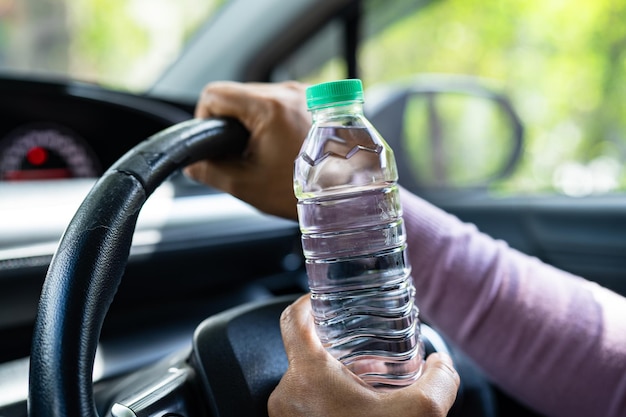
(449, 131)
(427, 131)
(563, 83)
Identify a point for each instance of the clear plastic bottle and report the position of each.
(354, 242)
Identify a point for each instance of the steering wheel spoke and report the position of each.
(167, 388)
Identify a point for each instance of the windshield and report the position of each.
(120, 44)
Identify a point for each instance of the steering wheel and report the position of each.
(237, 357)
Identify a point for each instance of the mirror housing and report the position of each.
(447, 132)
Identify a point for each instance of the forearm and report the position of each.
(555, 341)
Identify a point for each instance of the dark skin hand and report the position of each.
(276, 116)
(315, 383)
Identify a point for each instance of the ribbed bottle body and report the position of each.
(354, 242)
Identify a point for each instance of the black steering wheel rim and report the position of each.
(89, 263)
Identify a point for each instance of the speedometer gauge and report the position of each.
(45, 151)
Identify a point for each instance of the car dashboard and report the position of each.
(68, 130)
(195, 251)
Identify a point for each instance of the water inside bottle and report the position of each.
(361, 287)
(355, 248)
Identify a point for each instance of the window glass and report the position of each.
(439, 137)
(123, 44)
(562, 64)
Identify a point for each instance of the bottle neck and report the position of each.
(341, 109)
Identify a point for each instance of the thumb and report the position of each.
(298, 331)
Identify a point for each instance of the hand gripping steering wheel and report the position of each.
(88, 266)
(237, 357)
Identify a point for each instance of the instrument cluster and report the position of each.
(57, 130)
(45, 151)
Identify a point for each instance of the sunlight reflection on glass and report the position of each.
(577, 180)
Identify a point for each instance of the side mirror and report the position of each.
(447, 132)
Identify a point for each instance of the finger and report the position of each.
(217, 174)
(208, 102)
(299, 337)
(227, 98)
(250, 101)
(437, 387)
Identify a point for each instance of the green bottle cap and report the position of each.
(333, 92)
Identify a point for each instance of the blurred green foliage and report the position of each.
(124, 44)
(101, 27)
(129, 43)
(562, 63)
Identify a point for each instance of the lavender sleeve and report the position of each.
(553, 340)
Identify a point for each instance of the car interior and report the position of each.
(129, 290)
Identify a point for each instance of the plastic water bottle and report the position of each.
(354, 242)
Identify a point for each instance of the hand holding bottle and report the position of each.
(318, 385)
